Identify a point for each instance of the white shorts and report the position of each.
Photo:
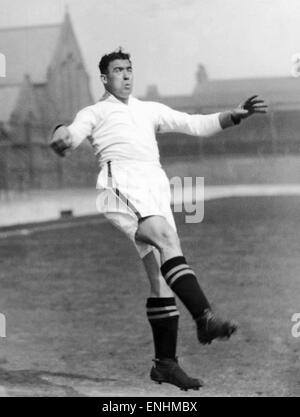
(130, 191)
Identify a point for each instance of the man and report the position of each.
(135, 196)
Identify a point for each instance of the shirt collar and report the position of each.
(110, 97)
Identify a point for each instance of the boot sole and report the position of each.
(195, 388)
(207, 340)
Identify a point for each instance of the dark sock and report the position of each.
(163, 317)
(182, 280)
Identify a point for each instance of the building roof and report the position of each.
(280, 92)
(31, 53)
(275, 90)
(8, 99)
(28, 50)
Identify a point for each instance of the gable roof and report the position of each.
(28, 50)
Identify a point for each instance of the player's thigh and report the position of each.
(156, 231)
(127, 224)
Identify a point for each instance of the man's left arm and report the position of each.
(253, 105)
(169, 120)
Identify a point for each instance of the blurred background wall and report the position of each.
(47, 83)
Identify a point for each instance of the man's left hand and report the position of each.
(253, 105)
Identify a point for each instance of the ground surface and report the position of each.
(74, 303)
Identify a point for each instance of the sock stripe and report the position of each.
(163, 316)
(187, 270)
(175, 269)
(172, 263)
(156, 313)
(178, 275)
(162, 309)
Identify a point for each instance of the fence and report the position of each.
(277, 133)
(27, 162)
(34, 166)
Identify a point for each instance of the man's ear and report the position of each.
(103, 78)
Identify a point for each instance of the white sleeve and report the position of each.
(169, 120)
(82, 126)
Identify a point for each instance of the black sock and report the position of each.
(182, 280)
(163, 317)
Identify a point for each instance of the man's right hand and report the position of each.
(61, 140)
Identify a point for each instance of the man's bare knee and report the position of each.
(168, 239)
(157, 232)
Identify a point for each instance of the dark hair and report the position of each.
(106, 59)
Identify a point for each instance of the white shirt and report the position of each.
(119, 131)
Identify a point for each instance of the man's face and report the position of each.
(119, 79)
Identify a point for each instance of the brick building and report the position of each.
(46, 82)
(46, 79)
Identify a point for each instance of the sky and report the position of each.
(169, 38)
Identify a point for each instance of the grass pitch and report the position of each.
(74, 301)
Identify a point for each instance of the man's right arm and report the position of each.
(70, 137)
(61, 140)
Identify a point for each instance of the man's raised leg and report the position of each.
(179, 276)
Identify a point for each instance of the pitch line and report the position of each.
(23, 231)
